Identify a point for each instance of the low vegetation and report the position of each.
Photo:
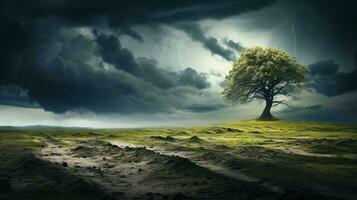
(241, 160)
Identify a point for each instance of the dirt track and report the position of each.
(132, 172)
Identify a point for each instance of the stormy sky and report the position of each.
(163, 63)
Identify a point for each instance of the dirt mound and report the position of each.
(84, 151)
(180, 133)
(91, 148)
(167, 138)
(195, 139)
(218, 130)
(175, 164)
(102, 148)
(129, 154)
(51, 139)
(255, 132)
(93, 134)
(235, 130)
(206, 132)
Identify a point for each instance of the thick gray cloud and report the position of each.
(341, 15)
(122, 59)
(342, 110)
(323, 68)
(234, 45)
(13, 95)
(124, 13)
(201, 108)
(210, 43)
(190, 77)
(131, 33)
(296, 109)
(329, 81)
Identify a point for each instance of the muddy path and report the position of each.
(241, 175)
(131, 172)
(214, 167)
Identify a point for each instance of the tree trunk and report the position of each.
(266, 115)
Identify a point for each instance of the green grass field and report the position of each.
(263, 159)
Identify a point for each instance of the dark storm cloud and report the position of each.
(63, 70)
(342, 110)
(341, 15)
(323, 68)
(234, 45)
(210, 43)
(131, 33)
(13, 95)
(201, 108)
(295, 109)
(122, 59)
(190, 77)
(329, 81)
(126, 13)
(111, 51)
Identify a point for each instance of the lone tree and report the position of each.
(264, 74)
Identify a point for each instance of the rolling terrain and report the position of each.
(240, 160)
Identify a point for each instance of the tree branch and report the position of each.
(284, 102)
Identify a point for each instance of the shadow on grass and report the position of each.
(23, 176)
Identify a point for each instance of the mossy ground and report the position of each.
(303, 158)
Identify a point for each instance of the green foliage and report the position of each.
(263, 74)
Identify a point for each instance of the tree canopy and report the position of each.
(263, 74)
